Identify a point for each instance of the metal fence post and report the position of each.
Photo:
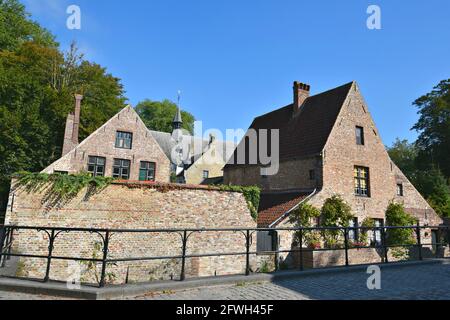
(50, 252)
(346, 246)
(384, 245)
(183, 257)
(419, 241)
(247, 264)
(104, 260)
(2, 241)
(301, 248)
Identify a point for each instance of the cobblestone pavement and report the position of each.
(406, 283)
(420, 282)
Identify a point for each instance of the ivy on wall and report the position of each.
(60, 188)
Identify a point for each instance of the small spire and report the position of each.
(178, 121)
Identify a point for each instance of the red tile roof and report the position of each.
(304, 134)
(273, 205)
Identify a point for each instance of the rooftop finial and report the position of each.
(178, 121)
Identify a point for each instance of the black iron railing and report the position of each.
(7, 243)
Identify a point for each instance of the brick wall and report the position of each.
(292, 174)
(135, 206)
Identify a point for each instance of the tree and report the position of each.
(159, 116)
(434, 128)
(16, 27)
(433, 186)
(429, 180)
(37, 83)
(404, 155)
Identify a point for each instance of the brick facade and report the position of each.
(102, 143)
(333, 156)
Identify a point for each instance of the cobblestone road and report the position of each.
(422, 282)
(414, 282)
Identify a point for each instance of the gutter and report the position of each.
(273, 224)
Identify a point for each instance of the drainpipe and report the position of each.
(292, 209)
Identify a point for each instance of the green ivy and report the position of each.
(252, 195)
(61, 187)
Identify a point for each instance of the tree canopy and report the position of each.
(425, 162)
(159, 116)
(37, 83)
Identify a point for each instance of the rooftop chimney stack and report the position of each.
(76, 119)
(72, 127)
(301, 93)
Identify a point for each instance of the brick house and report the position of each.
(329, 145)
(126, 149)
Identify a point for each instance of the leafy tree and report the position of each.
(159, 116)
(37, 83)
(434, 128)
(404, 155)
(16, 27)
(434, 188)
(430, 182)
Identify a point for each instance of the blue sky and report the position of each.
(234, 60)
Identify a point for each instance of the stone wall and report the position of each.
(133, 206)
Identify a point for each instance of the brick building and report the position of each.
(124, 148)
(329, 145)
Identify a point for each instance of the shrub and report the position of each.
(396, 216)
(335, 213)
(302, 217)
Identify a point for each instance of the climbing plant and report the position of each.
(60, 188)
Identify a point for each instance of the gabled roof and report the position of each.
(305, 133)
(167, 143)
(273, 205)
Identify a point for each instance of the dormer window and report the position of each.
(359, 136)
(124, 140)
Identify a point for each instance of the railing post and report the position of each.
(300, 233)
(105, 259)
(49, 257)
(247, 264)
(384, 244)
(346, 246)
(183, 257)
(419, 241)
(2, 241)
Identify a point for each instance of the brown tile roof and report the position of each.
(306, 133)
(274, 204)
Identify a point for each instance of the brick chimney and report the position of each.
(301, 93)
(72, 127)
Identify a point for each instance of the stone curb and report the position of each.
(92, 293)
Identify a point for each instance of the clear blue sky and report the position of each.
(235, 59)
